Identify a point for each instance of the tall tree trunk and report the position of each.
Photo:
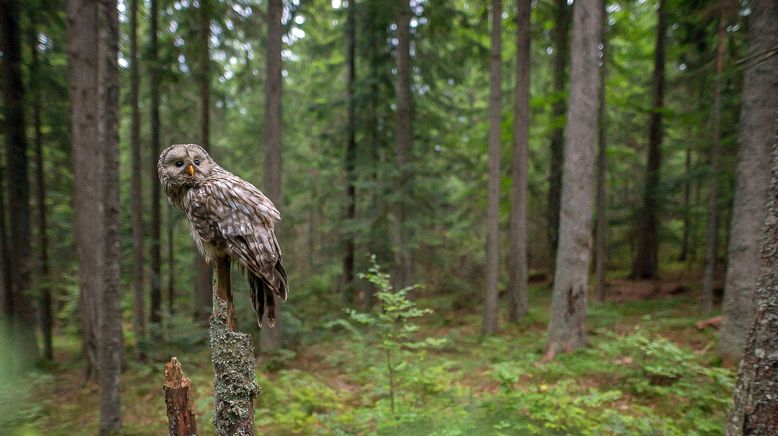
(566, 329)
(561, 58)
(109, 350)
(203, 272)
(5, 252)
(154, 149)
(376, 201)
(403, 133)
(493, 194)
(711, 238)
(270, 338)
(351, 156)
(23, 314)
(646, 261)
(600, 250)
(89, 225)
(93, 38)
(517, 254)
(171, 262)
(682, 256)
(44, 298)
(755, 408)
(760, 99)
(139, 310)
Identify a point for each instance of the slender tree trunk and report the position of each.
(154, 149)
(270, 339)
(561, 58)
(5, 252)
(760, 99)
(566, 330)
(376, 200)
(686, 205)
(711, 238)
(646, 262)
(755, 410)
(203, 272)
(351, 156)
(139, 310)
(171, 263)
(601, 246)
(109, 350)
(89, 225)
(44, 298)
(404, 142)
(23, 314)
(517, 255)
(493, 188)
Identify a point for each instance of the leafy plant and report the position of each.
(395, 331)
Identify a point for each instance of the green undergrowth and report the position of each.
(418, 367)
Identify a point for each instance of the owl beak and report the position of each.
(190, 169)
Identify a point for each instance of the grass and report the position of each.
(647, 370)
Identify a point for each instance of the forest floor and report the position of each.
(647, 370)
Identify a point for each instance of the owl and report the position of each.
(230, 218)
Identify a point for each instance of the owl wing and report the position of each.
(239, 219)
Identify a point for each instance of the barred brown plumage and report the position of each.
(230, 218)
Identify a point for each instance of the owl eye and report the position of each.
(179, 164)
(197, 162)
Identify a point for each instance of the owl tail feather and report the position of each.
(270, 302)
(257, 297)
(265, 294)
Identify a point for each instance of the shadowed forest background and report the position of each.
(503, 217)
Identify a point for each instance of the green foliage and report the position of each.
(394, 332)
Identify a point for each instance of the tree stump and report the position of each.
(233, 365)
(178, 399)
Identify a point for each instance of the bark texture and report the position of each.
(93, 37)
(566, 330)
(44, 296)
(270, 338)
(682, 256)
(760, 100)
(351, 157)
(403, 135)
(89, 224)
(5, 252)
(233, 365)
(493, 183)
(561, 59)
(755, 410)
(517, 248)
(23, 311)
(179, 401)
(711, 236)
(138, 308)
(109, 350)
(600, 246)
(203, 272)
(154, 149)
(646, 261)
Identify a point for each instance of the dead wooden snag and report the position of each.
(178, 400)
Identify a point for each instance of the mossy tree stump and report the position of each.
(232, 354)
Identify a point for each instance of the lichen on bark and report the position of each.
(234, 383)
(755, 408)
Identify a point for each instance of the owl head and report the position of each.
(182, 166)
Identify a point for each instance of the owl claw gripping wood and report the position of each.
(232, 222)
